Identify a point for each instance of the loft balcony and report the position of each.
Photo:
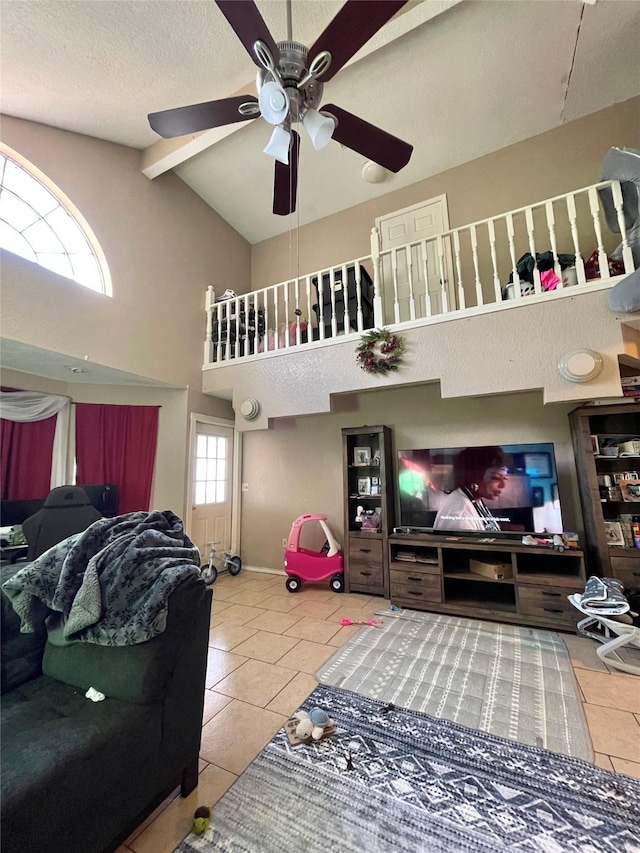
(464, 286)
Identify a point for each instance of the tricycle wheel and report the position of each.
(337, 583)
(235, 564)
(293, 583)
(209, 574)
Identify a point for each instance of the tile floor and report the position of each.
(264, 646)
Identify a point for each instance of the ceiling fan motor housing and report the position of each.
(293, 67)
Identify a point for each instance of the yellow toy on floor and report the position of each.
(201, 819)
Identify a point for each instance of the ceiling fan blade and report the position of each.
(352, 27)
(285, 181)
(182, 120)
(370, 141)
(248, 24)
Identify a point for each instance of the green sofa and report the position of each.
(79, 776)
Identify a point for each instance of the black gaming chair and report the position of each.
(66, 510)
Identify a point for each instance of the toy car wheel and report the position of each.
(337, 583)
(209, 574)
(293, 584)
(235, 564)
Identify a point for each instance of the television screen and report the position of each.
(511, 488)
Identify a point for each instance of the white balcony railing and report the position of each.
(484, 266)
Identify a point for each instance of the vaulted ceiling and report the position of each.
(455, 79)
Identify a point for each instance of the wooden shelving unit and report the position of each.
(597, 477)
(366, 553)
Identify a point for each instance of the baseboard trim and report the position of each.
(264, 570)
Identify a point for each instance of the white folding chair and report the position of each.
(614, 636)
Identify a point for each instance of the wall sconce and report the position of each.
(580, 365)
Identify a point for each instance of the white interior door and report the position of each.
(411, 224)
(211, 487)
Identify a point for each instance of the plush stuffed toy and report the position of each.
(314, 723)
(201, 819)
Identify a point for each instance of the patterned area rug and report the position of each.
(421, 785)
(512, 681)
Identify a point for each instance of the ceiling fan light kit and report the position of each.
(290, 84)
(274, 103)
(319, 126)
(278, 145)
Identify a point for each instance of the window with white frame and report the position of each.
(210, 484)
(39, 223)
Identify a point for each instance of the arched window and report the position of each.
(39, 223)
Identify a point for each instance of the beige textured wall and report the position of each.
(296, 467)
(544, 166)
(163, 244)
(170, 470)
(516, 348)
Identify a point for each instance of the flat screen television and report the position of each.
(510, 489)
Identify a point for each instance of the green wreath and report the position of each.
(391, 350)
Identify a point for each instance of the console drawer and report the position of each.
(548, 602)
(368, 550)
(413, 578)
(627, 570)
(361, 574)
(415, 587)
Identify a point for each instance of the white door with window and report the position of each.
(419, 222)
(211, 487)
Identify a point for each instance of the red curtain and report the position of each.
(26, 451)
(117, 444)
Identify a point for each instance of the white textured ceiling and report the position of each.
(457, 85)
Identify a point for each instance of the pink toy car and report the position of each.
(303, 564)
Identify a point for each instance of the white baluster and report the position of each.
(209, 299)
(285, 287)
(394, 274)
(425, 272)
(627, 254)
(359, 317)
(307, 289)
(320, 278)
(235, 347)
(551, 225)
(296, 310)
(444, 296)
(573, 222)
(332, 287)
(512, 251)
(528, 215)
(412, 300)
(497, 289)
(276, 322)
(474, 251)
(594, 205)
(456, 249)
(223, 332)
(345, 299)
(378, 289)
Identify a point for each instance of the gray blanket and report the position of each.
(111, 583)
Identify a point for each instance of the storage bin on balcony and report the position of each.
(366, 300)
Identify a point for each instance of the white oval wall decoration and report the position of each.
(580, 365)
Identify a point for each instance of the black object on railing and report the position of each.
(324, 293)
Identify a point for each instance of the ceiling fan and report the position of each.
(289, 85)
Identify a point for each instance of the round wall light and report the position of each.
(374, 173)
(250, 409)
(580, 365)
